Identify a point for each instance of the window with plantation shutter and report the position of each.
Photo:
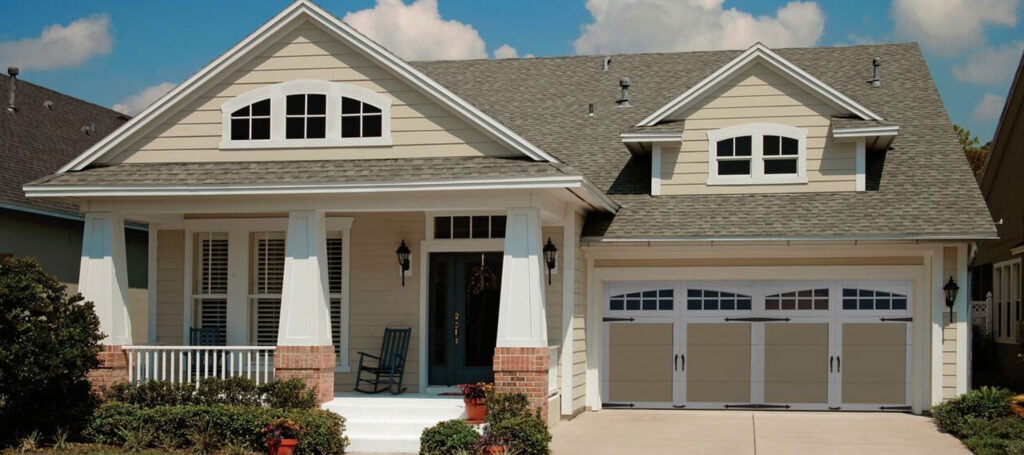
(334, 284)
(210, 286)
(265, 283)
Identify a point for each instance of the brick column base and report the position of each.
(113, 368)
(523, 370)
(314, 365)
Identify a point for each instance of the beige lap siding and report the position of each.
(377, 298)
(949, 367)
(758, 95)
(170, 287)
(420, 127)
(553, 293)
(579, 329)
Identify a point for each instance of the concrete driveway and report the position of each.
(754, 433)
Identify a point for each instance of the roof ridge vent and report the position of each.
(876, 72)
(624, 100)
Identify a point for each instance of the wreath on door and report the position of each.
(482, 278)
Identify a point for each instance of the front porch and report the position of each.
(323, 284)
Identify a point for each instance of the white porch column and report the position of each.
(103, 276)
(521, 317)
(305, 315)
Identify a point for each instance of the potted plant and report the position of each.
(492, 444)
(283, 436)
(475, 397)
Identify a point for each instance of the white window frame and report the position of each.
(239, 232)
(757, 131)
(278, 93)
(1006, 296)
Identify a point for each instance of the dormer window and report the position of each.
(757, 153)
(306, 113)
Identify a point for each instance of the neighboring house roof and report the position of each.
(924, 188)
(1004, 130)
(36, 140)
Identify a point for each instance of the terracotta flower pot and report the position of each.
(475, 409)
(494, 450)
(284, 447)
(1017, 405)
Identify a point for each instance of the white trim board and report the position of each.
(758, 52)
(299, 10)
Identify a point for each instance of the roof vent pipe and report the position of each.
(12, 71)
(624, 101)
(876, 74)
(590, 110)
(606, 64)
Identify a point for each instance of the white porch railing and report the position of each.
(981, 312)
(192, 364)
(553, 371)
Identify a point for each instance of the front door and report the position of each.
(465, 291)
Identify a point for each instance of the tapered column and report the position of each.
(103, 279)
(304, 346)
(521, 358)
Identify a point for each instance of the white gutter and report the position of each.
(653, 136)
(866, 131)
(665, 239)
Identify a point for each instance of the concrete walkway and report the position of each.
(753, 433)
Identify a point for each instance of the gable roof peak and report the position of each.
(758, 52)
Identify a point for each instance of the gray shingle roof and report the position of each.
(924, 186)
(35, 141)
(307, 172)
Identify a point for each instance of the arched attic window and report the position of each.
(306, 113)
(757, 153)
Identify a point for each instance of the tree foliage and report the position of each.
(48, 343)
(976, 154)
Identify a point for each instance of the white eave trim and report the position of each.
(577, 184)
(866, 131)
(357, 40)
(653, 136)
(662, 239)
(1017, 250)
(758, 51)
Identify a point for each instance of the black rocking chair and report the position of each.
(387, 373)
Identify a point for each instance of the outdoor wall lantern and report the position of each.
(549, 257)
(403, 259)
(951, 290)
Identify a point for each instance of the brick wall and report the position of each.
(523, 370)
(314, 365)
(113, 368)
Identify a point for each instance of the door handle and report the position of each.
(456, 328)
(683, 358)
(675, 363)
(831, 361)
(839, 364)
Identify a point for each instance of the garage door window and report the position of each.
(707, 299)
(649, 300)
(868, 299)
(807, 299)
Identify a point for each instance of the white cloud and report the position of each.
(989, 108)
(59, 46)
(683, 25)
(991, 65)
(417, 31)
(505, 51)
(950, 27)
(138, 102)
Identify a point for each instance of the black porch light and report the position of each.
(951, 289)
(403, 259)
(549, 257)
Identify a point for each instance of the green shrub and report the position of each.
(986, 403)
(526, 434)
(449, 437)
(48, 343)
(503, 406)
(236, 391)
(205, 428)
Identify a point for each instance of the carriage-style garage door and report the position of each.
(764, 345)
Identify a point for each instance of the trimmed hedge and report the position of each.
(210, 427)
(235, 391)
(985, 403)
(449, 437)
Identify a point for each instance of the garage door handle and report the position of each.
(675, 363)
(683, 357)
(831, 361)
(839, 365)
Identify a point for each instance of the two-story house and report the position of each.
(728, 229)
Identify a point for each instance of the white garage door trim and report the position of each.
(695, 302)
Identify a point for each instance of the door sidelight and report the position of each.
(456, 328)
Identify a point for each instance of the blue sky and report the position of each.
(118, 49)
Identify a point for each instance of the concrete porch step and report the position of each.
(392, 424)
